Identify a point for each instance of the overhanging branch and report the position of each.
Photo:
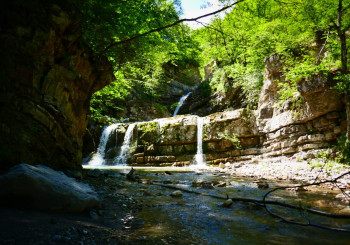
(166, 27)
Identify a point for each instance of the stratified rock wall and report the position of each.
(47, 79)
(244, 135)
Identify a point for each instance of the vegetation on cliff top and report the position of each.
(311, 36)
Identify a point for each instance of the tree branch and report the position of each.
(166, 27)
(324, 45)
(308, 223)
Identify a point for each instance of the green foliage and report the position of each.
(343, 83)
(236, 75)
(148, 126)
(138, 63)
(173, 106)
(233, 138)
(162, 108)
(106, 101)
(253, 30)
(343, 148)
(296, 29)
(205, 89)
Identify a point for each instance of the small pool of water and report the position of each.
(200, 219)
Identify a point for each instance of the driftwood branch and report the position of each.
(166, 27)
(265, 202)
(308, 222)
(321, 51)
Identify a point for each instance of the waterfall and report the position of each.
(199, 157)
(121, 159)
(98, 157)
(182, 100)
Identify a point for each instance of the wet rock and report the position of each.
(95, 173)
(57, 237)
(131, 175)
(344, 197)
(262, 184)
(93, 215)
(41, 188)
(176, 194)
(206, 185)
(221, 184)
(227, 203)
(196, 184)
(301, 189)
(168, 173)
(74, 174)
(146, 193)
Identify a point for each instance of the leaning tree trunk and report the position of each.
(347, 107)
(344, 63)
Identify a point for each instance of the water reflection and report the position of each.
(199, 219)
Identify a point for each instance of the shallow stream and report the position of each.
(200, 219)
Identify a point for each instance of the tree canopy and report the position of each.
(312, 37)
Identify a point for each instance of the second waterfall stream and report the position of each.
(182, 100)
(121, 158)
(199, 157)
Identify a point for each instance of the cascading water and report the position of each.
(98, 157)
(199, 157)
(182, 100)
(121, 159)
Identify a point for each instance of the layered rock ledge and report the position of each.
(47, 79)
(273, 130)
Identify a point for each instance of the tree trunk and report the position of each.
(344, 63)
(347, 107)
(344, 51)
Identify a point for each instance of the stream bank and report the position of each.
(142, 212)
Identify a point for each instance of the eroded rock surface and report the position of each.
(47, 79)
(247, 135)
(41, 188)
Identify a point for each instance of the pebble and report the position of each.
(94, 215)
(57, 237)
(227, 203)
(286, 168)
(176, 194)
(94, 173)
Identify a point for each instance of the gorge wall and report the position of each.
(244, 135)
(47, 79)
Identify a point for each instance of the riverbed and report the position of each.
(198, 216)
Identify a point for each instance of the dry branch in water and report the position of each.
(265, 202)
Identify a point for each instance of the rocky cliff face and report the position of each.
(179, 81)
(202, 102)
(47, 79)
(245, 135)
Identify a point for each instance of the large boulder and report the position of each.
(41, 188)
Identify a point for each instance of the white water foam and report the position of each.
(98, 157)
(121, 159)
(199, 158)
(182, 100)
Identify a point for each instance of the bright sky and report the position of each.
(192, 8)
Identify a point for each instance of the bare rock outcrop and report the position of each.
(246, 135)
(47, 78)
